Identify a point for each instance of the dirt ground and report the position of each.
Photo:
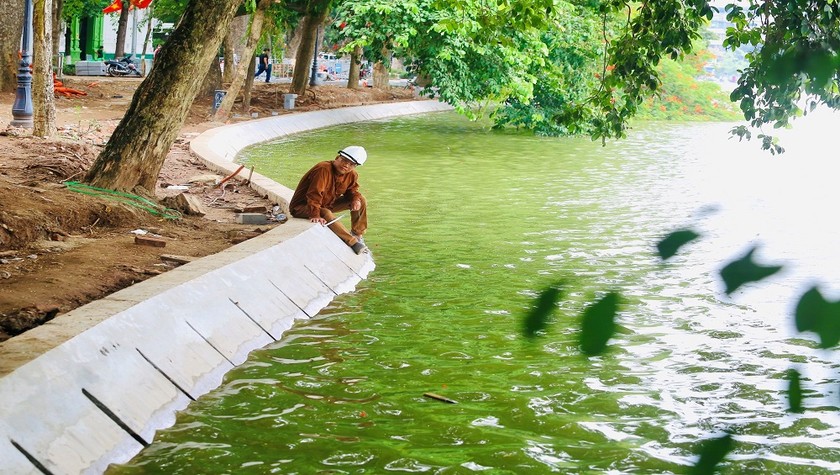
(60, 249)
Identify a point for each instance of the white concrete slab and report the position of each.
(323, 262)
(46, 413)
(176, 349)
(290, 276)
(361, 264)
(204, 305)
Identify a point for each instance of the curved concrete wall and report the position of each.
(93, 386)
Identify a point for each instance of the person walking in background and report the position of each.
(333, 186)
(264, 65)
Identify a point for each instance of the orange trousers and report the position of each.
(358, 219)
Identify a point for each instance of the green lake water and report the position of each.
(468, 225)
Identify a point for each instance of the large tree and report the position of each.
(315, 13)
(57, 24)
(254, 32)
(567, 78)
(11, 28)
(43, 95)
(136, 150)
(467, 52)
(122, 29)
(355, 68)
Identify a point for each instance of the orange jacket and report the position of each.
(320, 187)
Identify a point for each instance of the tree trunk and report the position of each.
(122, 28)
(230, 66)
(257, 21)
(212, 80)
(11, 29)
(43, 94)
(293, 41)
(355, 67)
(249, 84)
(239, 30)
(380, 76)
(319, 43)
(150, 19)
(306, 51)
(57, 23)
(138, 146)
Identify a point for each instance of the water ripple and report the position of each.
(465, 241)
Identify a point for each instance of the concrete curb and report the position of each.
(93, 386)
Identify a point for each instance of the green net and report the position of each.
(126, 198)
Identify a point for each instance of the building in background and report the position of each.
(83, 36)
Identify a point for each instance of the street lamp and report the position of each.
(312, 80)
(22, 108)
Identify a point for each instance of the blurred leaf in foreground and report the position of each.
(815, 313)
(745, 270)
(672, 243)
(712, 453)
(598, 324)
(794, 391)
(537, 318)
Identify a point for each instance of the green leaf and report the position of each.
(537, 319)
(672, 243)
(815, 313)
(598, 324)
(794, 391)
(819, 65)
(745, 270)
(712, 452)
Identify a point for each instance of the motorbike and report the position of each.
(121, 67)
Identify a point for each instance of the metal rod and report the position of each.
(336, 219)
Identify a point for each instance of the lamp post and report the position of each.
(22, 108)
(314, 59)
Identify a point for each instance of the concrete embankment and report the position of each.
(93, 386)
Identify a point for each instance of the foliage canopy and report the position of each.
(796, 60)
(589, 66)
(82, 8)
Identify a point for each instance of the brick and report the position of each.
(251, 218)
(149, 241)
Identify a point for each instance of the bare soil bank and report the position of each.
(61, 249)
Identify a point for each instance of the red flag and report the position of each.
(141, 3)
(114, 7)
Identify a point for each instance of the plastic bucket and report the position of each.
(289, 101)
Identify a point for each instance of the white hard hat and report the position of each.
(354, 153)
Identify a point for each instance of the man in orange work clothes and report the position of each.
(333, 186)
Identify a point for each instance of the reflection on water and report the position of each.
(467, 227)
